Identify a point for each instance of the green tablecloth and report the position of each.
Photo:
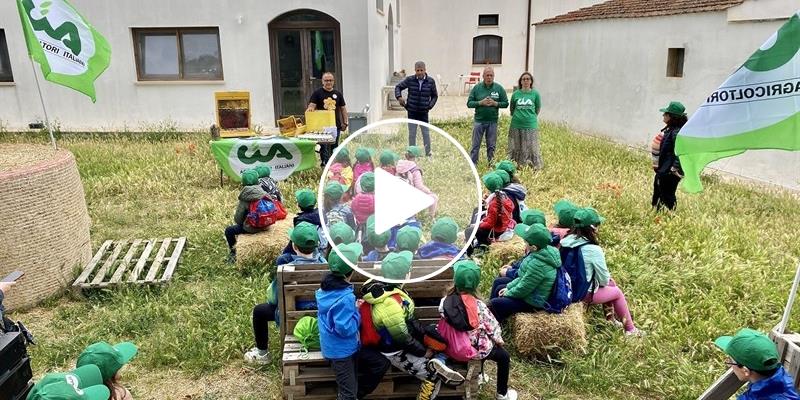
(283, 155)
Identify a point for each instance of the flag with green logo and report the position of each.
(68, 49)
(758, 107)
(283, 156)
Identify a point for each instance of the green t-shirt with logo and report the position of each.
(524, 105)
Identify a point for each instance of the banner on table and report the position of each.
(283, 156)
(757, 107)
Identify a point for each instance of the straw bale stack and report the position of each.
(542, 335)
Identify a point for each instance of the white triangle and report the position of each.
(396, 201)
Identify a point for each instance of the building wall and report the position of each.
(608, 77)
(544, 9)
(762, 10)
(125, 103)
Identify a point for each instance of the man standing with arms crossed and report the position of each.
(328, 98)
(422, 97)
(487, 98)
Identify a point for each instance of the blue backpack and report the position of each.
(561, 296)
(573, 266)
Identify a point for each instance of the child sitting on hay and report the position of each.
(304, 240)
(378, 243)
(363, 204)
(335, 210)
(512, 187)
(499, 214)
(307, 202)
(565, 212)
(388, 161)
(341, 171)
(529, 217)
(444, 234)
(251, 191)
(267, 183)
(485, 334)
(534, 282)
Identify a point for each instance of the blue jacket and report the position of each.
(337, 317)
(434, 249)
(779, 386)
(420, 99)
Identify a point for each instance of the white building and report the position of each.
(607, 69)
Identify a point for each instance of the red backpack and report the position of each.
(370, 337)
(265, 212)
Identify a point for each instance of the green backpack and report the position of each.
(307, 332)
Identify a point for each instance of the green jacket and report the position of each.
(480, 92)
(536, 276)
(248, 195)
(388, 313)
(593, 259)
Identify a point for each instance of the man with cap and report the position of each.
(339, 319)
(668, 172)
(444, 234)
(267, 183)
(110, 360)
(82, 383)
(753, 358)
(336, 210)
(251, 191)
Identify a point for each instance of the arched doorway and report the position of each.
(303, 45)
(391, 44)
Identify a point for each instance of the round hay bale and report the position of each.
(264, 247)
(44, 223)
(542, 335)
(507, 251)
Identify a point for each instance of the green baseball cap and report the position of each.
(751, 349)
(363, 154)
(674, 108)
(535, 235)
(334, 190)
(82, 383)
(397, 265)
(388, 157)
(408, 238)
(368, 182)
(263, 171)
(305, 198)
(444, 230)
(466, 275)
(565, 211)
(508, 166)
(304, 235)
(586, 217)
(109, 359)
(342, 233)
(374, 239)
(352, 252)
(414, 151)
(342, 155)
(533, 216)
(249, 177)
(492, 181)
(504, 176)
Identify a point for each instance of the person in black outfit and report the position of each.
(422, 96)
(668, 170)
(328, 98)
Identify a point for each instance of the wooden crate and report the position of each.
(140, 264)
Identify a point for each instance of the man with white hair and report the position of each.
(422, 97)
(487, 98)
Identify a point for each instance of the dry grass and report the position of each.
(14, 156)
(263, 247)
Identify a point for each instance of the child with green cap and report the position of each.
(754, 358)
(378, 243)
(341, 171)
(267, 183)
(409, 171)
(110, 360)
(251, 191)
(342, 233)
(499, 216)
(82, 383)
(602, 290)
(565, 213)
(363, 164)
(486, 337)
(537, 273)
(307, 203)
(408, 239)
(443, 236)
(529, 217)
(335, 210)
(363, 204)
(512, 186)
(389, 161)
(413, 152)
(339, 320)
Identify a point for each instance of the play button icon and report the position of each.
(396, 201)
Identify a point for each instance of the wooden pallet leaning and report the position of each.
(137, 255)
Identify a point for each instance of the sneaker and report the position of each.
(428, 390)
(635, 333)
(450, 376)
(483, 378)
(257, 356)
(231, 259)
(511, 394)
(617, 323)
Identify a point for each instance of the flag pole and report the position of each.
(790, 303)
(41, 98)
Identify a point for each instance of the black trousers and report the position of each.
(664, 188)
(263, 314)
(326, 149)
(500, 356)
(372, 366)
(346, 379)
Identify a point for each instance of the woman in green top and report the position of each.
(523, 136)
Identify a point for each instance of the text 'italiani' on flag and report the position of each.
(68, 49)
(757, 107)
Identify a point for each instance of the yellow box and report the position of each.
(233, 114)
(316, 120)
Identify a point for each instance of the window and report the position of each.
(675, 62)
(5, 63)
(488, 19)
(379, 6)
(177, 54)
(487, 49)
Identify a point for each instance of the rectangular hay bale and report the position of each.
(542, 335)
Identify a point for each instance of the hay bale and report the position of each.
(264, 247)
(542, 335)
(507, 251)
(44, 223)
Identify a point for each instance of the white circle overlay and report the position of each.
(364, 130)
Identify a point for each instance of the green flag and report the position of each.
(758, 107)
(69, 50)
(283, 156)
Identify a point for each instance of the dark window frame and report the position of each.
(676, 56)
(496, 17)
(138, 33)
(483, 40)
(5, 57)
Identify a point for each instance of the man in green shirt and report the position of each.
(487, 98)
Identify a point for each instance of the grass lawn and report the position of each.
(724, 261)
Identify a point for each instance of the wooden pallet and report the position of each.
(138, 265)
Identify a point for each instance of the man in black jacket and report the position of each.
(422, 97)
